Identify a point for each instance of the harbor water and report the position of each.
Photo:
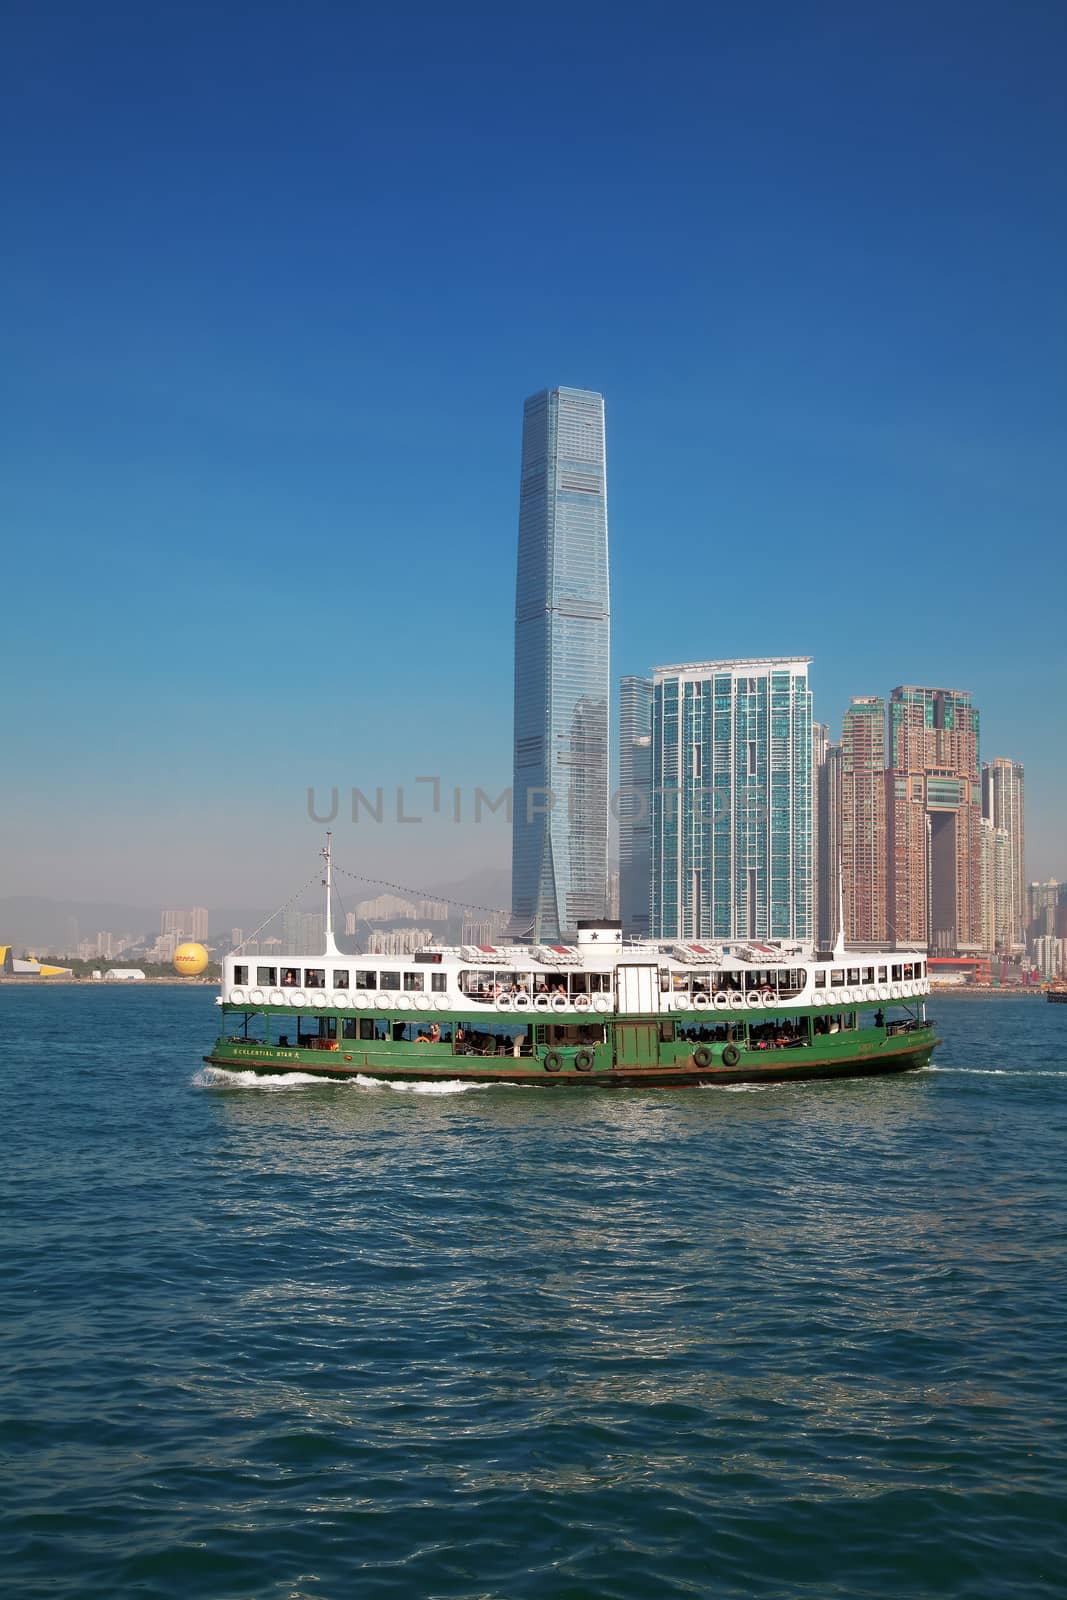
(302, 1341)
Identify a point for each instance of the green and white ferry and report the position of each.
(593, 1012)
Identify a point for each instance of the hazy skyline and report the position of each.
(270, 324)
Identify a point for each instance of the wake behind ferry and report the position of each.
(594, 1011)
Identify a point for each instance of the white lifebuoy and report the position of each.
(846, 997)
(895, 991)
(830, 998)
(318, 997)
(403, 1002)
(237, 997)
(582, 1002)
(681, 1002)
(602, 1004)
(753, 999)
(297, 997)
(361, 998)
(383, 1001)
(542, 1003)
(503, 1002)
(339, 1000)
(523, 1001)
(278, 997)
(560, 1002)
(701, 1002)
(872, 994)
(256, 996)
(423, 1002)
(722, 1001)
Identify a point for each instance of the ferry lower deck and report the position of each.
(785, 1043)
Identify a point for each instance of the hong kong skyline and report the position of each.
(260, 457)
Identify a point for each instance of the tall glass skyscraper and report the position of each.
(559, 868)
(732, 752)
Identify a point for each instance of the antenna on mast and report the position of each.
(331, 944)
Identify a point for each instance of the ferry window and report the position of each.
(240, 974)
(897, 973)
(390, 980)
(908, 972)
(290, 977)
(883, 974)
(439, 982)
(868, 974)
(340, 977)
(366, 980)
(837, 976)
(413, 981)
(366, 1028)
(314, 977)
(252, 1025)
(267, 975)
(820, 979)
(666, 1033)
(853, 974)
(572, 1033)
(490, 1039)
(920, 969)
(348, 1028)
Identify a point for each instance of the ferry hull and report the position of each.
(678, 1074)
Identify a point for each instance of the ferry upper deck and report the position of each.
(596, 972)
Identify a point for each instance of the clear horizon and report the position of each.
(271, 326)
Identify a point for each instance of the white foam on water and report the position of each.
(225, 1078)
(1001, 1072)
(426, 1086)
(746, 1088)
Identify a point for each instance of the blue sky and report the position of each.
(277, 281)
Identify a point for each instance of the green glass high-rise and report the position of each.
(732, 755)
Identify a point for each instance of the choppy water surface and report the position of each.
(307, 1340)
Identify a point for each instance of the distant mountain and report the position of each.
(45, 925)
(485, 886)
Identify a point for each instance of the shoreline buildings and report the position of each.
(732, 789)
(562, 668)
(929, 852)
